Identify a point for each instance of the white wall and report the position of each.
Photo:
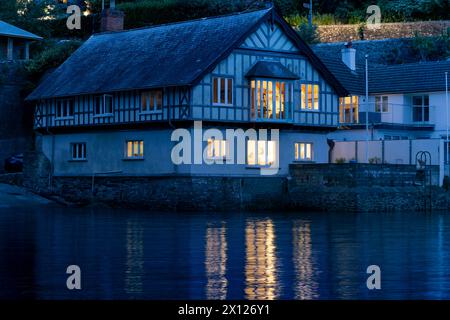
(106, 153)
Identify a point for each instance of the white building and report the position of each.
(406, 101)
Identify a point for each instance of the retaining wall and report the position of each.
(345, 32)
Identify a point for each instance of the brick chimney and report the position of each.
(349, 56)
(111, 18)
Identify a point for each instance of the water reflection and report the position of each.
(261, 262)
(305, 286)
(134, 270)
(216, 262)
(148, 255)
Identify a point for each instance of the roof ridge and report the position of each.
(182, 22)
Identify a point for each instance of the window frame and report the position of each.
(102, 107)
(83, 151)
(380, 104)
(141, 149)
(68, 107)
(257, 105)
(227, 93)
(266, 162)
(423, 108)
(148, 94)
(223, 146)
(297, 146)
(304, 97)
(353, 109)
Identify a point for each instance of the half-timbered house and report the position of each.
(114, 104)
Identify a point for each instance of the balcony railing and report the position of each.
(393, 114)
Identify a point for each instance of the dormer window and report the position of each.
(271, 100)
(271, 91)
(103, 105)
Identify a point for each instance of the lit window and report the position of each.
(223, 91)
(261, 152)
(310, 97)
(303, 151)
(271, 100)
(216, 149)
(135, 149)
(78, 151)
(349, 110)
(381, 104)
(152, 101)
(64, 108)
(103, 105)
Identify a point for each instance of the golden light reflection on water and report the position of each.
(216, 262)
(135, 259)
(261, 263)
(305, 286)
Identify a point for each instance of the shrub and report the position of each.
(54, 54)
(340, 160)
(374, 160)
(308, 34)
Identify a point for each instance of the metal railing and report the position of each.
(398, 114)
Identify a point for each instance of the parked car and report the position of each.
(14, 163)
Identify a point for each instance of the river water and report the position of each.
(146, 255)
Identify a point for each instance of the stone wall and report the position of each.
(15, 118)
(176, 193)
(369, 199)
(364, 188)
(37, 168)
(345, 32)
(359, 175)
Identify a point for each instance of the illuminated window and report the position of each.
(261, 152)
(271, 99)
(349, 110)
(78, 151)
(103, 105)
(64, 108)
(152, 101)
(309, 97)
(303, 151)
(134, 149)
(381, 104)
(217, 149)
(222, 91)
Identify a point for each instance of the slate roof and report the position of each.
(398, 78)
(175, 54)
(271, 69)
(409, 78)
(9, 30)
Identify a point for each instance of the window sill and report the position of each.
(133, 159)
(78, 160)
(222, 105)
(309, 110)
(106, 115)
(258, 167)
(64, 118)
(224, 160)
(143, 113)
(304, 161)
